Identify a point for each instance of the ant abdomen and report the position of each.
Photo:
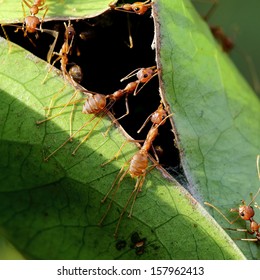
(94, 104)
(138, 164)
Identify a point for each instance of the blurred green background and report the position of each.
(240, 21)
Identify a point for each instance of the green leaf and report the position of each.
(12, 11)
(216, 114)
(7, 251)
(51, 210)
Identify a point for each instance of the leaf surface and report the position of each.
(12, 11)
(216, 114)
(51, 210)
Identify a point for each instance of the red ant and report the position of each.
(36, 6)
(137, 165)
(31, 23)
(62, 55)
(246, 213)
(97, 103)
(138, 8)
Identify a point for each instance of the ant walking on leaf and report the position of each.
(36, 6)
(246, 213)
(32, 24)
(137, 165)
(97, 103)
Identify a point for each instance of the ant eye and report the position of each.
(137, 9)
(145, 75)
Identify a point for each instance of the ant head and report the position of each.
(145, 74)
(159, 116)
(246, 212)
(34, 10)
(69, 31)
(139, 8)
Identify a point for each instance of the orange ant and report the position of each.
(97, 103)
(246, 213)
(137, 165)
(138, 8)
(31, 22)
(62, 55)
(36, 6)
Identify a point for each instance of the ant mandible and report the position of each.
(246, 213)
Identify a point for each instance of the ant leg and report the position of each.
(243, 230)
(50, 53)
(45, 12)
(123, 212)
(120, 150)
(257, 166)
(68, 140)
(7, 39)
(131, 74)
(62, 105)
(60, 112)
(71, 118)
(248, 239)
(114, 121)
(137, 189)
(52, 100)
(127, 109)
(57, 59)
(131, 44)
(155, 154)
(119, 175)
(27, 4)
(214, 207)
(24, 13)
(211, 10)
(87, 136)
(240, 230)
(145, 123)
